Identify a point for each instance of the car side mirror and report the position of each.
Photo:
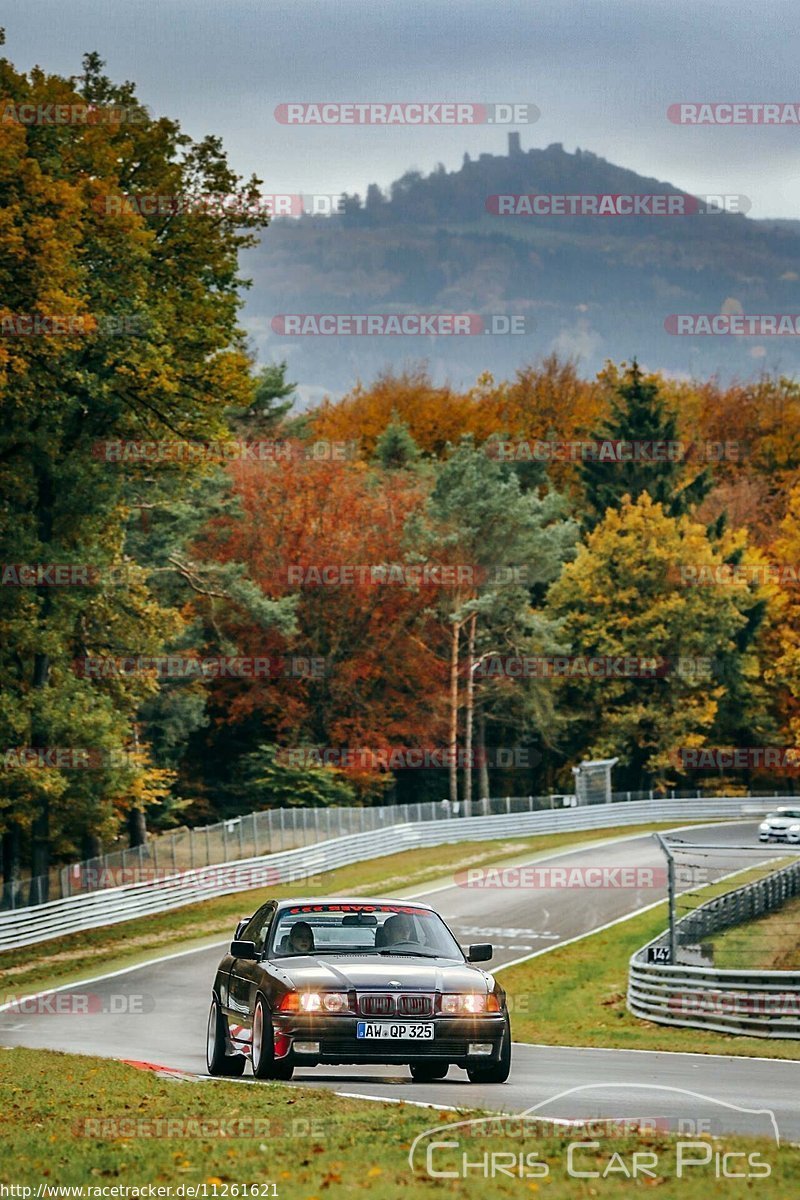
(480, 952)
(243, 949)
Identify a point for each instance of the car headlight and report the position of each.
(794, 828)
(468, 1004)
(764, 826)
(310, 1002)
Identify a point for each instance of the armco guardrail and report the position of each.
(265, 832)
(270, 831)
(58, 918)
(757, 1003)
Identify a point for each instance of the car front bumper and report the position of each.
(454, 1040)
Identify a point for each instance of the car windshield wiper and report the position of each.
(309, 953)
(409, 954)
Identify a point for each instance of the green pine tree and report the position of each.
(639, 415)
(396, 449)
(272, 400)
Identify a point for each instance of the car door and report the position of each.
(246, 973)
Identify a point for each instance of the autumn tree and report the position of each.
(784, 635)
(628, 595)
(145, 346)
(379, 682)
(508, 541)
(433, 415)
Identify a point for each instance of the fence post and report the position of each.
(670, 895)
(255, 835)
(224, 841)
(191, 848)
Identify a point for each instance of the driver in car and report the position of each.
(301, 939)
(397, 929)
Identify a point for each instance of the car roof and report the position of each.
(362, 900)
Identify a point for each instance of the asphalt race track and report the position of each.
(157, 1013)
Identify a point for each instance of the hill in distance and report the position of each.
(593, 287)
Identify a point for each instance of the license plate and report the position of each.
(396, 1030)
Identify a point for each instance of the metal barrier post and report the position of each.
(670, 894)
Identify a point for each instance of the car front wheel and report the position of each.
(217, 1061)
(265, 1065)
(497, 1072)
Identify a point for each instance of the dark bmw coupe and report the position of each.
(355, 981)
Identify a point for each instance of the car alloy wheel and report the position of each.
(498, 1072)
(265, 1065)
(217, 1060)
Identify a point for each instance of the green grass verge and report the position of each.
(110, 947)
(771, 943)
(575, 995)
(90, 1123)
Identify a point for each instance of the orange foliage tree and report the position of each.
(379, 679)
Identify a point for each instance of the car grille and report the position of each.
(387, 1004)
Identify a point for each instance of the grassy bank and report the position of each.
(72, 1121)
(575, 996)
(771, 943)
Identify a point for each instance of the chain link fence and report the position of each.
(270, 831)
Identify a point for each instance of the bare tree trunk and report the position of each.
(91, 846)
(473, 621)
(483, 767)
(40, 827)
(137, 827)
(453, 741)
(137, 823)
(10, 865)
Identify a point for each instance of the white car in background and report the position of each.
(783, 825)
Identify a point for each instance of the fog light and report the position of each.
(306, 1047)
(480, 1048)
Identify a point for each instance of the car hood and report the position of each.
(371, 973)
(781, 822)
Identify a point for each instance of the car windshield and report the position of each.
(375, 929)
(783, 813)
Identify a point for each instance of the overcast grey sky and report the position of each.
(602, 72)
